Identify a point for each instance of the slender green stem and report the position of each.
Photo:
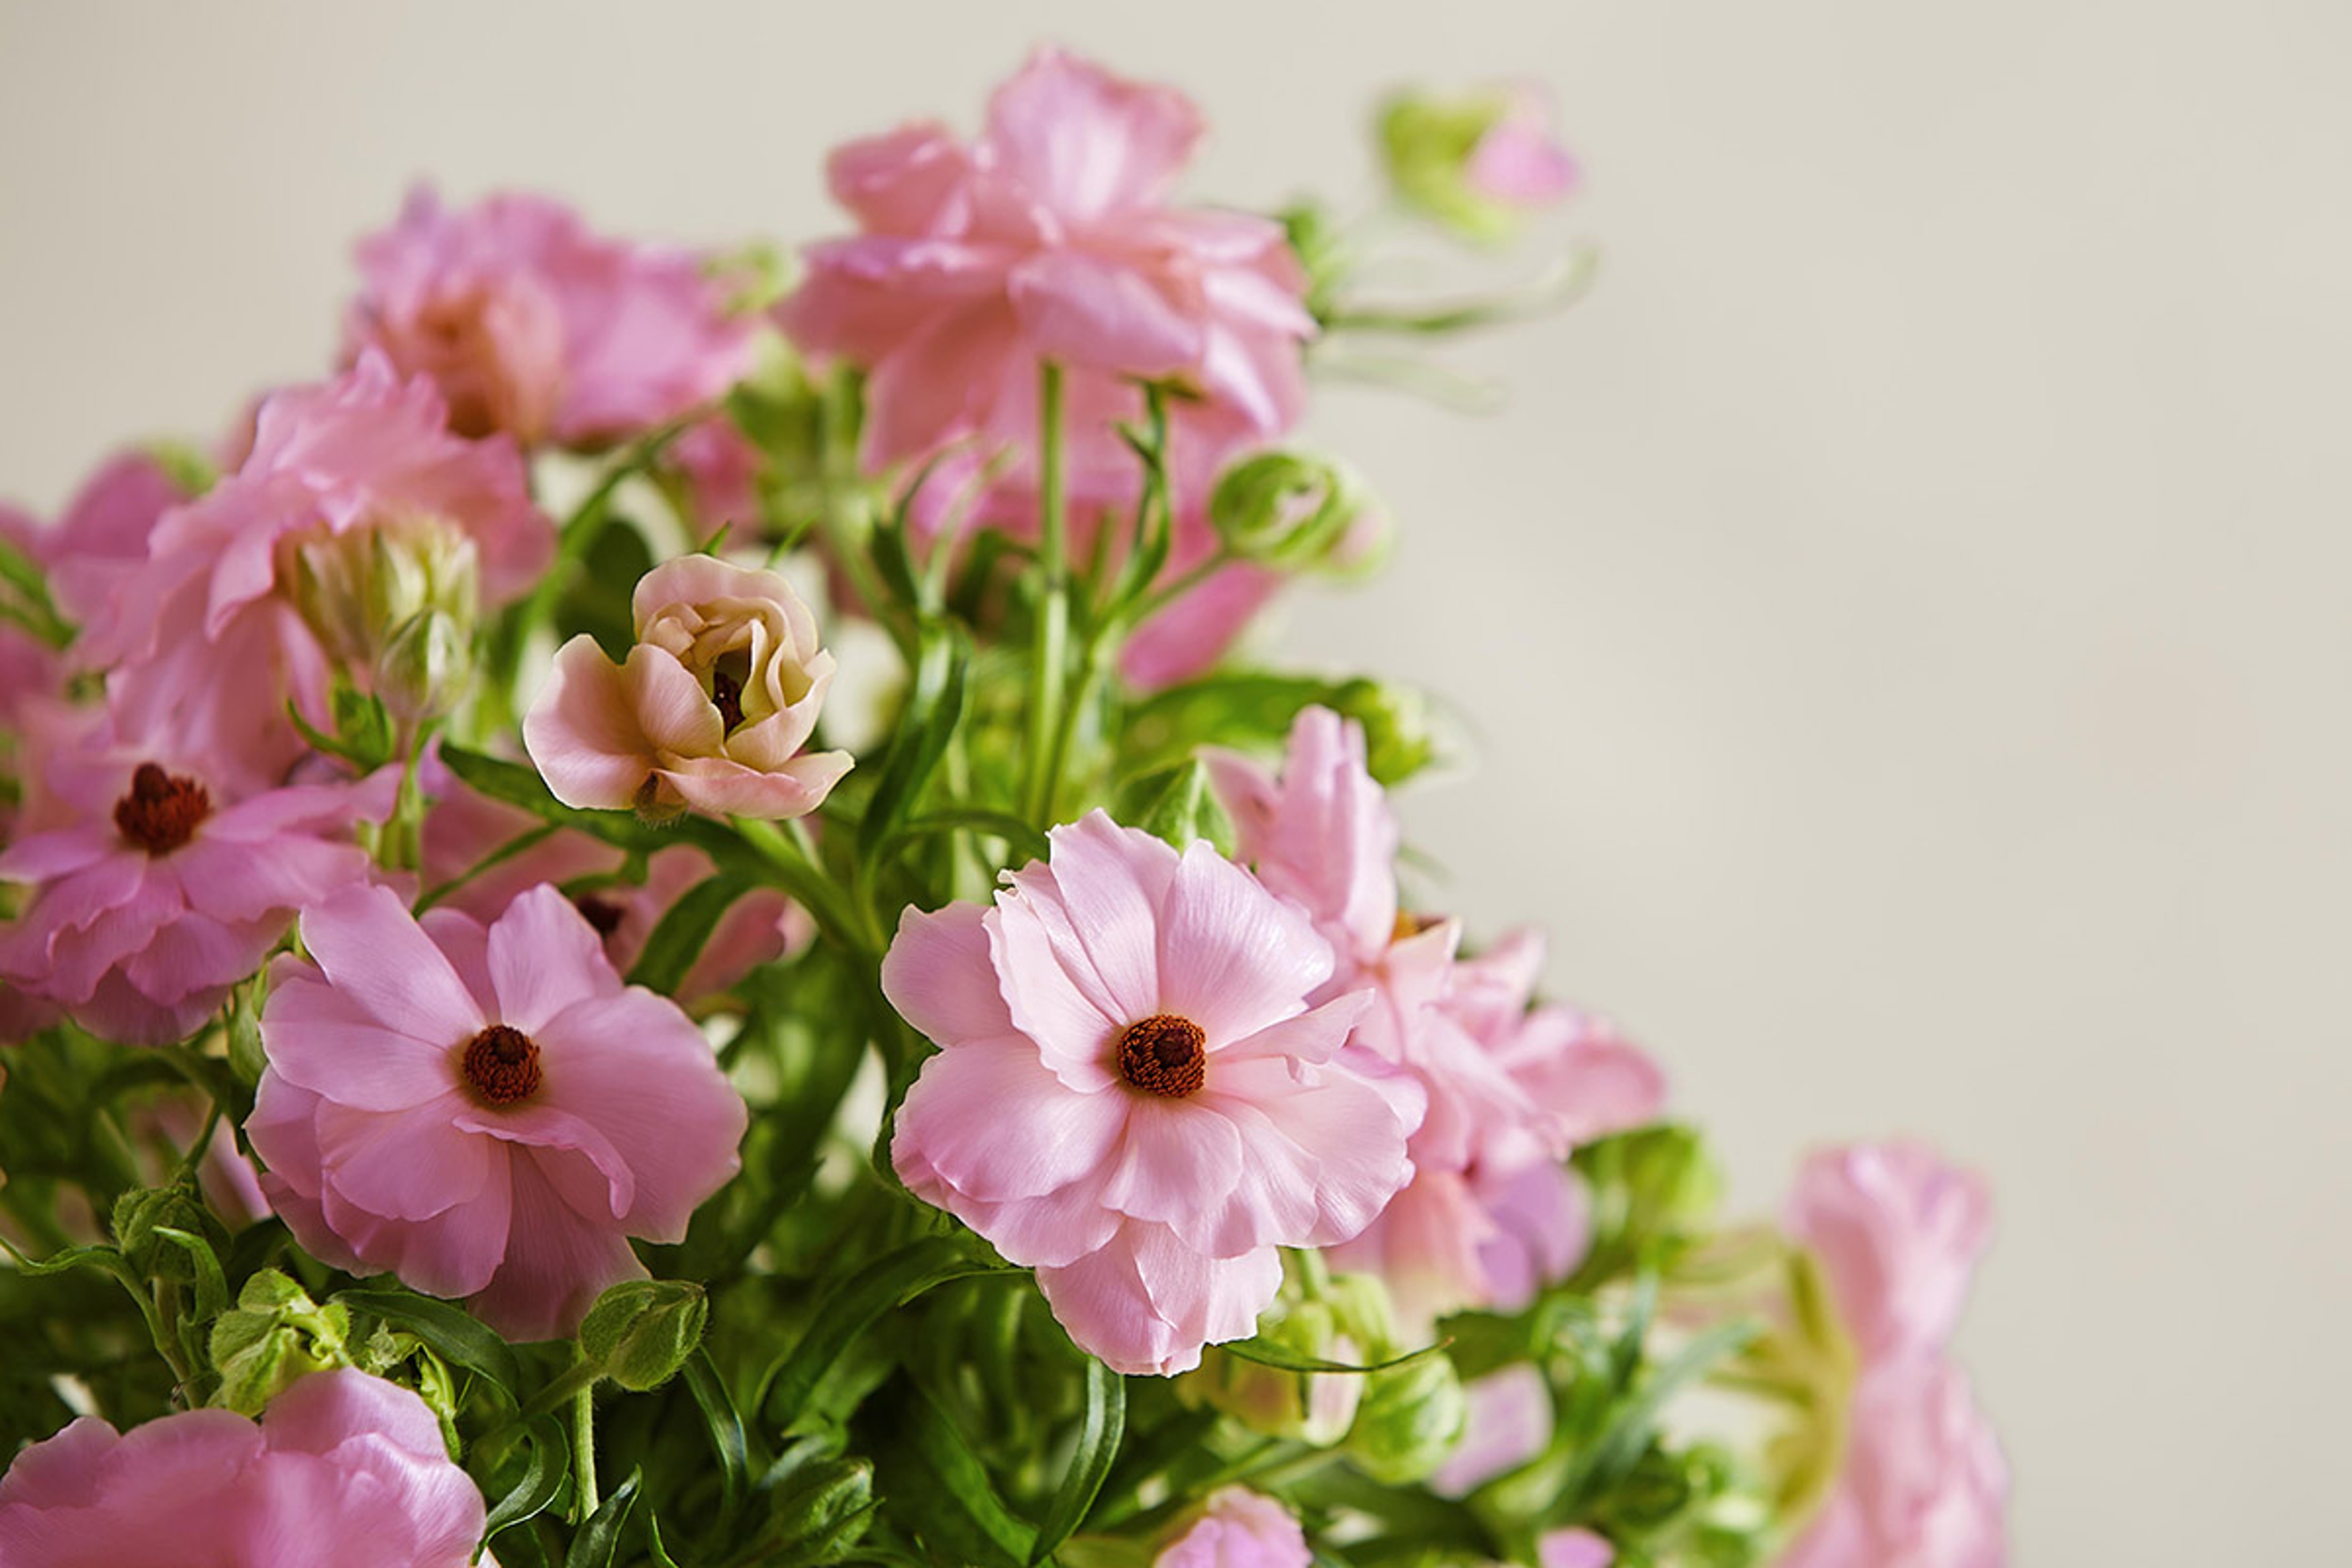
(1048, 672)
(584, 1452)
(789, 867)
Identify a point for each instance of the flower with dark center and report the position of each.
(162, 810)
(1164, 1055)
(726, 696)
(600, 911)
(503, 1064)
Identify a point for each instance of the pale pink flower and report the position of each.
(342, 1467)
(710, 714)
(1509, 1422)
(1519, 162)
(203, 641)
(1898, 1231)
(1052, 237)
(464, 829)
(486, 1113)
(1924, 1484)
(533, 325)
(1573, 1549)
(1187, 637)
(1237, 1528)
(105, 530)
(167, 884)
(1133, 1094)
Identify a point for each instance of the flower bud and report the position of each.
(274, 1335)
(1296, 513)
(1410, 1420)
(142, 1212)
(1477, 163)
(640, 1331)
(1311, 1407)
(423, 670)
(356, 589)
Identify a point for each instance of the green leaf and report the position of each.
(945, 1454)
(934, 708)
(1025, 842)
(891, 1280)
(1629, 1428)
(518, 785)
(601, 1536)
(725, 1424)
(1267, 1355)
(1098, 1438)
(684, 931)
(1186, 809)
(454, 1335)
(542, 1483)
(212, 1285)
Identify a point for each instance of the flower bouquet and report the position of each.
(656, 924)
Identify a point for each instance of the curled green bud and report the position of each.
(274, 1335)
(1296, 513)
(143, 1212)
(1475, 163)
(640, 1331)
(1311, 1407)
(355, 590)
(1411, 1419)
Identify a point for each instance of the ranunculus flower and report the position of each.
(1924, 1484)
(205, 641)
(1052, 237)
(533, 325)
(710, 714)
(486, 1113)
(105, 530)
(1898, 1231)
(1237, 1528)
(1480, 162)
(1133, 1094)
(341, 1468)
(1574, 1549)
(1509, 1423)
(167, 884)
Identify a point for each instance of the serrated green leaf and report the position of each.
(1104, 1424)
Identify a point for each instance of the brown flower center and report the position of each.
(162, 811)
(726, 696)
(502, 1064)
(1164, 1055)
(599, 911)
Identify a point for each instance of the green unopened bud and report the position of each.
(640, 1331)
(1670, 1185)
(824, 1511)
(1312, 1407)
(423, 671)
(1399, 735)
(356, 589)
(1411, 1419)
(274, 1335)
(140, 1213)
(1297, 513)
(1477, 163)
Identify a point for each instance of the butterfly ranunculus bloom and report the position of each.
(1923, 1484)
(205, 641)
(1133, 1094)
(1898, 1231)
(164, 884)
(341, 1468)
(486, 1113)
(710, 714)
(1237, 1528)
(532, 324)
(1574, 1549)
(1052, 237)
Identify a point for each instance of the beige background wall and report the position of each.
(1904, 612)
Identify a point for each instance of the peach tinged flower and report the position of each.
(709, 714)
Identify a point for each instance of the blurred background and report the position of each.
(1900, 616)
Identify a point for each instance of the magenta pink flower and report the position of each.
(1237, 1528)
(1924, 1484)
(204, 640)
(1052, 238)
(168, 885)
(486, 1113)
(1898, 1231)
(105, 530)
(342, 1467)
(1574, 1549)
(1133, 1095)
(710, 714)
(532, 324)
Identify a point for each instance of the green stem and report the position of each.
(1047, 673)
(789, 867)
(584, 1453)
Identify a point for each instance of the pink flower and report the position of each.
(1052, 238)
(1238, 1528)
(486, 1113)
(1924, 1485)
(168, 885)
(1187, 639)
(343, 1468)
(105, 531)
(1133, 1095)
(533, 325)
(1898, 1231)
(1509, 1422)
(1520, 162)
(465, 828)
(1574, 1549)
(710, 711)
(205, 641)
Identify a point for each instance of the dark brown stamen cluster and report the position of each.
(162, 811)
(599, 911)
(503, 1064)
(1164, 1055)
(726, 696)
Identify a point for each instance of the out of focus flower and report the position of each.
(1924, 1484)
(1237, 1528)
(1193, 631)
(205, 640)
(341, 1468)
(1133, 1095)
(486, 1113)
(1574, 1549)
(1052, 238)
(710, 714)
(533, 325)
(1477, 163)
(169, 884)
(1510, 1421)
(1898, 1231)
